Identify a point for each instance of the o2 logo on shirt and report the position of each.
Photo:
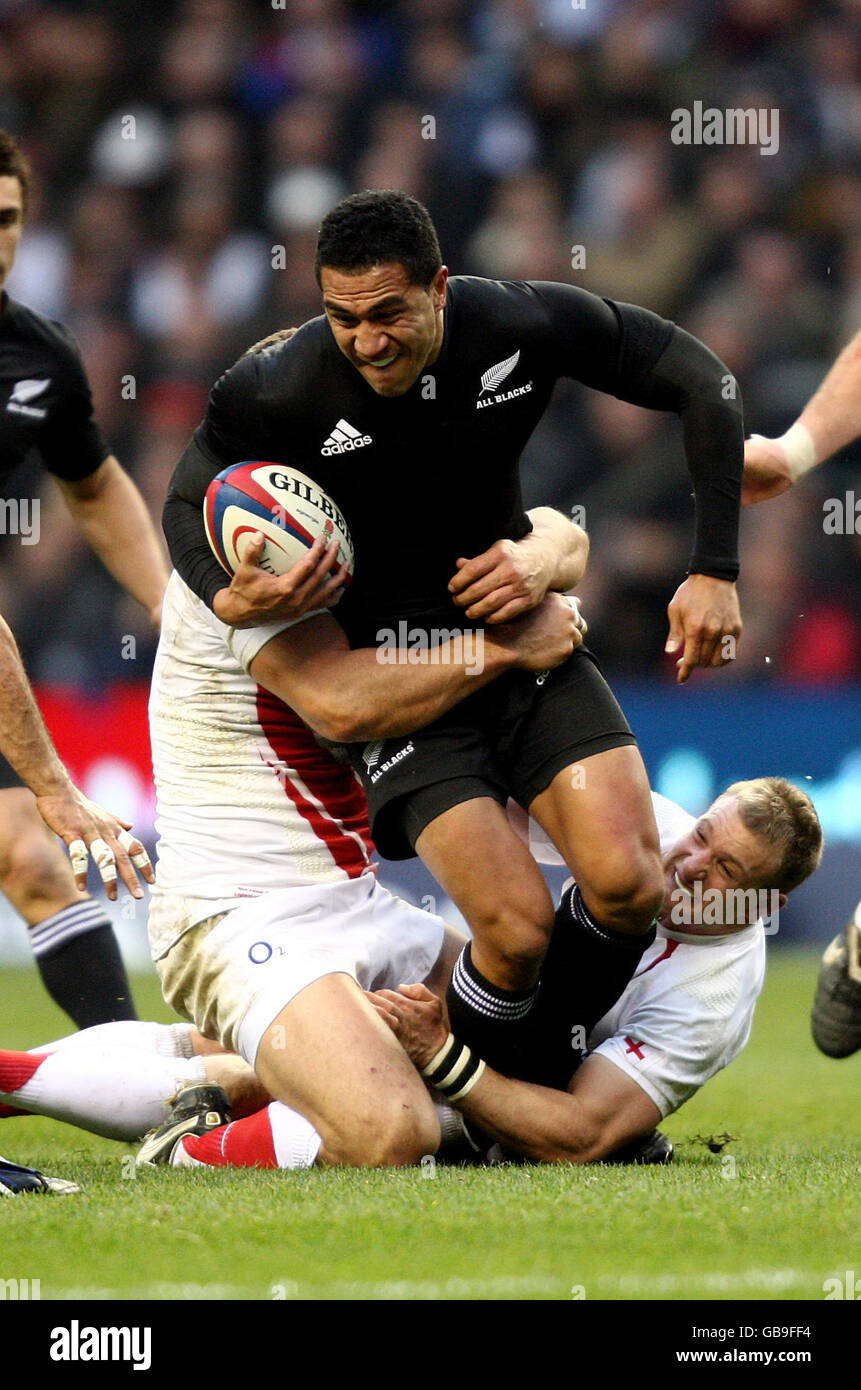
(260, 952)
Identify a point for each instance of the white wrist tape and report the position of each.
(800, 449)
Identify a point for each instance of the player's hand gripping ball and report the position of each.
(285, 506)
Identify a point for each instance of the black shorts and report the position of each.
(8, 776)
(509, 739)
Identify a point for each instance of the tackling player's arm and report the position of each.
(830, 420)
(602, 1110)
(349, 696)
(26, 743)
(513, 576)
(637, 356)
(113, 519)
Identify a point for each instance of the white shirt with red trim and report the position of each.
(247, 800)
(688, 1011)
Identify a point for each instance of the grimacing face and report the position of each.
(11, 220)
(389, 328)
(722, 854)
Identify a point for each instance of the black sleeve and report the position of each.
(228, 434)
(71, 445)
(639, 357)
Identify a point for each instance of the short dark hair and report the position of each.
(14, 164)
(378, 227)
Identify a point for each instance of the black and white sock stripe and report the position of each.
(56, 931)
(572, 900)
(478, 994)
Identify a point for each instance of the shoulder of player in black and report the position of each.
(523, 305)
(278, 369)
(20, 323)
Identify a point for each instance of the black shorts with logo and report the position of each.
(509, 739)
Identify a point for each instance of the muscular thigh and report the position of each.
(329, 1055)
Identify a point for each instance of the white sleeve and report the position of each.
(683, 1027)
(246, 642)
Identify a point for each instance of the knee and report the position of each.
(390, 1136)
(35, 865)
(628, 891)
(517, 932)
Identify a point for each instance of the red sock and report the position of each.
(17, 1068)
(243, 1144)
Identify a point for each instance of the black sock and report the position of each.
(587, 968)
(81, 966)
(494, 1022)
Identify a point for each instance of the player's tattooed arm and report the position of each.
(85, 827)
(512, 577)
(602, 1110)
(349, 696)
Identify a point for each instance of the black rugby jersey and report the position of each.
(431, 475)
(45, 401)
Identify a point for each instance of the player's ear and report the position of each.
(439, 286)
(781, 901)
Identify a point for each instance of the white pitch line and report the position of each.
(500, 1286)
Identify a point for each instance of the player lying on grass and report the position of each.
(830, 420)
(85, 827)
(686, 1015)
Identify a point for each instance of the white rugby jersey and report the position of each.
(688, 1011)
(247, 799)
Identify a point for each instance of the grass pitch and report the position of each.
(773, 1215)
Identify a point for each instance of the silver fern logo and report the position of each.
(25, 391)
(371, 755)
(494, 376)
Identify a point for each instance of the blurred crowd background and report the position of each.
(154, 239)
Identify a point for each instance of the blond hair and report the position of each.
(785, 817)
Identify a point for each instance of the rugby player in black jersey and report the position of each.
(45, 407)
(410, 401)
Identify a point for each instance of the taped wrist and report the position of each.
(455, 1070)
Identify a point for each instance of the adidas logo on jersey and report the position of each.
(344, 438)
(25, 391)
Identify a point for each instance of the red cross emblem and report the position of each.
(634, 1047)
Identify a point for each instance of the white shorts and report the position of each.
(233, 974)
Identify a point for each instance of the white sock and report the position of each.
(294, 1139)
(164, 1039)
(119, 1093)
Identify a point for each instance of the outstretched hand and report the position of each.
(705, 622)
(89, 830)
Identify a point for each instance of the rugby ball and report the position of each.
(286, 506)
